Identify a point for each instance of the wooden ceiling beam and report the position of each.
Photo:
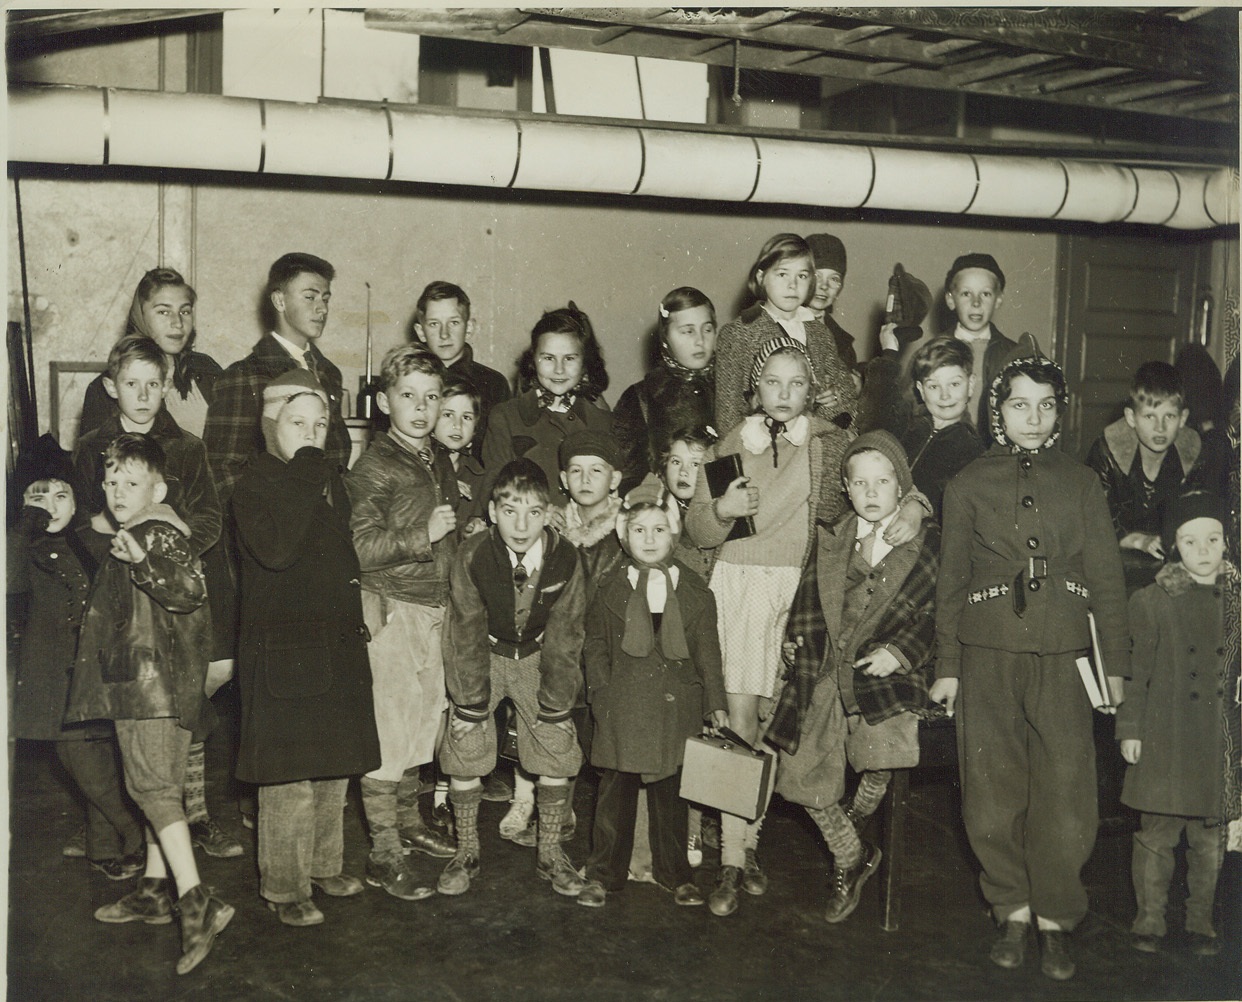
(29, 25)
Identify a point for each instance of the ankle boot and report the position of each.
(203, 917)
(149, 902)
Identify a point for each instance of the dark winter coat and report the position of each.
(146, 637)
(189, 367)
(645, 708)
(1173, 701)
(307, 709)
(47, 571)
(938, 455)
(649, 412)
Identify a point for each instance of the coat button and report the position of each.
(355, 582)
(1194, 674)
(1033, 584)
(54, 556)
(1025, 462)
(1028, 502)
(1032, 543)
(1192, 648)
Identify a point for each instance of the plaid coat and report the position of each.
(233, 433)
(901, 617)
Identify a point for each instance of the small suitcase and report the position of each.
(728, 774)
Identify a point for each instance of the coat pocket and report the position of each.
(297, 660)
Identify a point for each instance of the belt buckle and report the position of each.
(1037, 568)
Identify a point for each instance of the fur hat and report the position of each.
(45, 460)
(277, 393)
(768, 349)
(1186, 508)
(828, 252)
(975, 260)
(882, 442)
(589, 443)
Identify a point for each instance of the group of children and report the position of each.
(576, 563)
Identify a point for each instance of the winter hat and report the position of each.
(828, 252)
(1202, 388)
(45, 460)
(884, 443)
(1026, 351)
(282, 389)
(589, 443)
(639, 638)
(975, 260)
(768, 349)
(909, 301)
(1188, 507)
(650, 491)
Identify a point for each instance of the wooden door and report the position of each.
(1124, 300)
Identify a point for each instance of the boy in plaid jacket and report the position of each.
(858, 641)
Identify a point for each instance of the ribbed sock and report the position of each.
(379, 803)
(195, 784)
(466, 813)
(553, 804)
(751, 840)
(870, 792)
(840, 835)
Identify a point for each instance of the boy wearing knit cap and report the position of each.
(1172, 725)
(654, 679)
(403, 497)
(858, 644)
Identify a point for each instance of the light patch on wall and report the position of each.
(272, 53)
(595, 83)
(365, 64)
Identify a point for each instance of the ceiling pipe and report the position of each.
(113, 127)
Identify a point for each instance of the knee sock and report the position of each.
(732, 840)
(195, 785)
(408, 815)
(553, 803)
(842, 840)
(870, 791)
(694, 825)
(379, 804)
(465, 805)
(751, 840)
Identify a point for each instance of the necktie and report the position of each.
(520, 574)
(866, 545)
(310, 362)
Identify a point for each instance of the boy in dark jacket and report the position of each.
(1171, 726)
(859, 642)
(142, 661)
(514, 628)
(401, 493)
(456, 431)
(49, 565)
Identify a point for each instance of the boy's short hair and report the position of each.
(939, 352)
(287, 267)
(437, 291)
(404, 359)
(457, 385)
(521, 476)
(975, 260)
(133, 448)
(135, 348)
(1154, 383)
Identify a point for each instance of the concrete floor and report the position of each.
(510, 938)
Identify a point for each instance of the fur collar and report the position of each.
(583, 534)
(1176, 580)
(1123, 443)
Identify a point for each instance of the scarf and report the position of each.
(639, 638)
(682, 372)
(557, 403)
(137, 324)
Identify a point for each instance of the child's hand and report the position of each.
(460, 727)
(905, 525)
(790, 649)
(944, 692)
(1131, 750)
(126, 549)
(1144, 541)
(473, 524)
(443, 520)
(765, 707)
(880, 663)
(738, 501)
(888, 337)
(34, 520)
(717, 720)
(829, 401)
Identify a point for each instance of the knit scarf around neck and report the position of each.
(639, 638)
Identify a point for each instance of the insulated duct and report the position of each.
(106, 126)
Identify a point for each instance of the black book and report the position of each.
(720, 473)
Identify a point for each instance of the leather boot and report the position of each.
(203, 918)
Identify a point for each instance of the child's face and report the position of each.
(787, 284)
(691, 337)
(974, 297)
(444, 328)
(946, 392)
(783, 387)
(558, 362)
(1030, 414)
(130, 487)
(1201, 545)
(138, 391)
(681, 469)
(412, 403)
(302, 422)
(457, 422)
(56, 498)
(589, 480)
(648, 536)
(519, 518)
(828, 283)
(169, 315)
(1157, 424)
(871, 482)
